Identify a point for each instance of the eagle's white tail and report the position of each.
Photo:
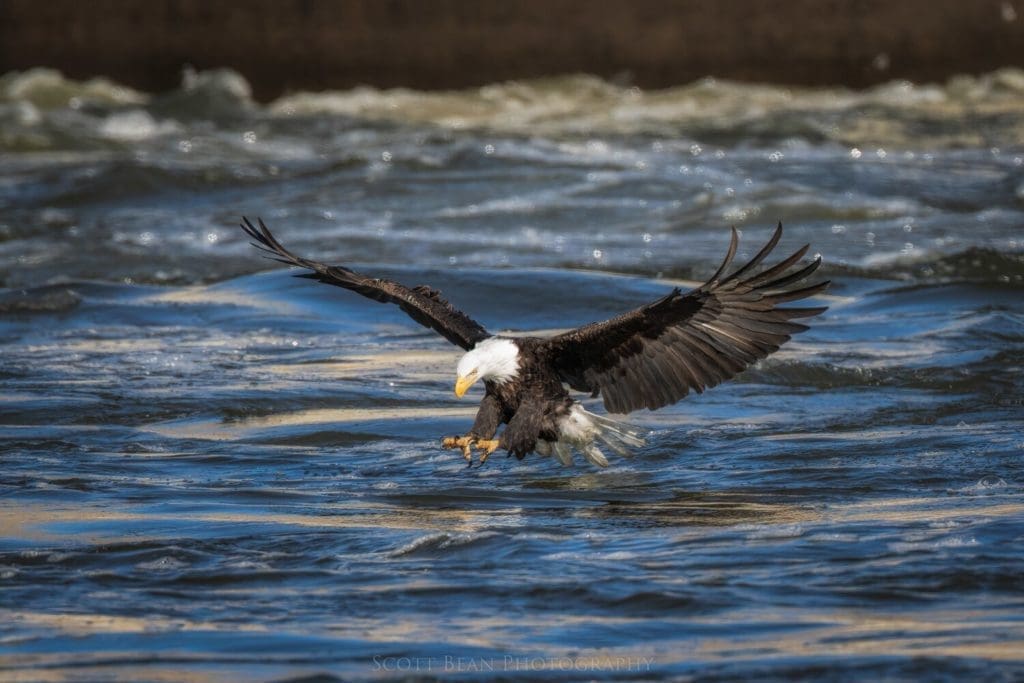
(582, 430)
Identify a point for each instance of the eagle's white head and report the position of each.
(494, 359)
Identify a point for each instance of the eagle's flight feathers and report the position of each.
(655, 355)
(422, 303)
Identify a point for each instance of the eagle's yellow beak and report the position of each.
(462, 384)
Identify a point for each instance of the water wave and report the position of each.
(966, 110)
(979, 265)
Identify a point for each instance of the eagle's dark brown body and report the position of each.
(531, 404)
(650, 357)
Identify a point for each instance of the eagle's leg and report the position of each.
(464, 443)
(488, 418)
(486, 447)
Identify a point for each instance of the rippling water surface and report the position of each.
(212, 470)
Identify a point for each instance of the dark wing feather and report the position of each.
(655, 355)
(423, 304)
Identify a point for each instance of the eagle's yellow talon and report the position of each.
(463, 443)
(486, 447)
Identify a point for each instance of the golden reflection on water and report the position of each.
(219, 295)
(86, 624)
(846, 632)
(116, 674)
(42, 522)
(771, 634)
(216, 430)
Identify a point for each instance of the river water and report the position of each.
(212, 470)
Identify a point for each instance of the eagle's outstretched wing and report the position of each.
(653, 356)
(422, 303)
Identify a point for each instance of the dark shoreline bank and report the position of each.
(289, 45)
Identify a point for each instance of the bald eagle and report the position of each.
(650, 357)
